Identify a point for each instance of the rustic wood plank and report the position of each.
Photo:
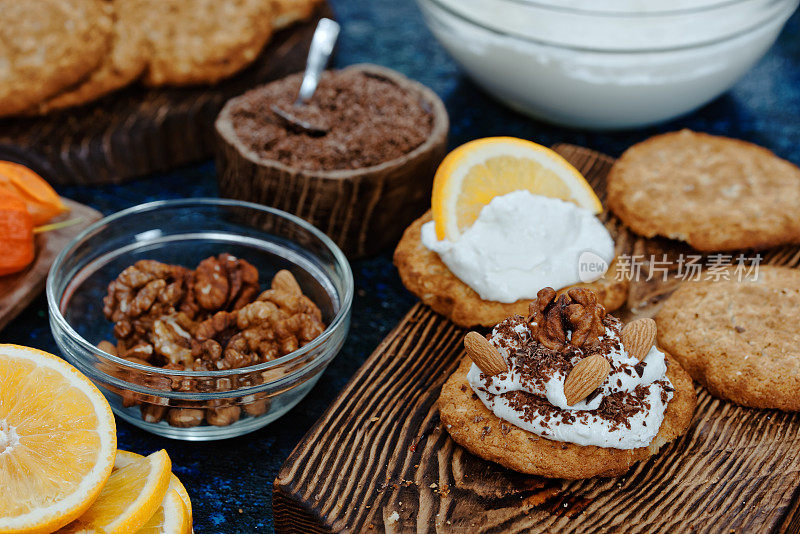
(380, 450)
(18, 290)
(139, 131)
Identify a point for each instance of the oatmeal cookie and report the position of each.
(124, 63)
(202, 41)
(287, 12)
(477, 429)
(47, 46)
(713, 192)
(741, 340)
(425, 275)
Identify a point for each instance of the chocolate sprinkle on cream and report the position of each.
(619, 413)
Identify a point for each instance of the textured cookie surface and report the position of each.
(741, 340)
(287, 12)
(713, 192)
(202, 41)
(482, 433)
(123, 64)
(47, 46)
(425, 275)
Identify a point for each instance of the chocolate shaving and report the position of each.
(364, 119)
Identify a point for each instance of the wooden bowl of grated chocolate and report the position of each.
(362, 177)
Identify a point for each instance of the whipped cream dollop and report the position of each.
(523, 242)
(625, 412)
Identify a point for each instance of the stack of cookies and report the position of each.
(736, 335)
(56, 54)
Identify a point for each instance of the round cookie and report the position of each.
(713, 192)
(124, 63)
(741, 340)
(287, 12)
(47, 46)
(466, 419)
(425, 275)
(202, 41)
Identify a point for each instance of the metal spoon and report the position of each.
(318, 55)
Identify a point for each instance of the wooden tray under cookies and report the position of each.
(380, 449)
(18, 290)
(139, 131)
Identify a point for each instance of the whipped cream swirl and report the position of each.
(625, 412)
(523, 242)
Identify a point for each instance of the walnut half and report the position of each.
(552, 316)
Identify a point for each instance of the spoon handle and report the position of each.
(318, 55)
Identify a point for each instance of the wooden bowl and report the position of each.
(363, 210)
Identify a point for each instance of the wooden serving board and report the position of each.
(140, 131)
(379, 459)
(18, 290)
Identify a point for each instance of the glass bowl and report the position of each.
(606, 65)
(185, 232)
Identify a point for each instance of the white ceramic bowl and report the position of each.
(616, 64)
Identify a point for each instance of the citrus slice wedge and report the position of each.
(125, 458)
(473, 174)
(57, 441)
(129, 499)
(170, 518)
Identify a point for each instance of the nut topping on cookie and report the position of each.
(552, 316)
(587, 375)
(638, 337)
(484, 354)
(564, 373)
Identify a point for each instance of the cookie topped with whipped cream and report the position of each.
(570, 377)
(571, 374)
(509, 217)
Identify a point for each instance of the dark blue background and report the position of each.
(230, 482)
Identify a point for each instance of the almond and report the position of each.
(483, 353)
(587, 375)
(638, 337)
(285, 281)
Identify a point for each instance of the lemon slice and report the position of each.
(473, 174)
(125, 458)
(129, 499)
(170, 518)
(57, 441)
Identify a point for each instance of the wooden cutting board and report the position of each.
(18, 290)
(140, 131)
(379, 460)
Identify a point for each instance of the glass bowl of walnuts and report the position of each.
(201, 319)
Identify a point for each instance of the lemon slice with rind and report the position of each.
(126, 457)
(474, 173)
(57, 441)
(129, 499)
(170, 518)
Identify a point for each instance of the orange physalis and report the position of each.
(42, 201)
(16, 234)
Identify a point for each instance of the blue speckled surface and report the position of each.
(231, 482)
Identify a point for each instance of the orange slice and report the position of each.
(474, 173)
(129, 499)
(126, 457)
(170, 518)
(57, 441)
